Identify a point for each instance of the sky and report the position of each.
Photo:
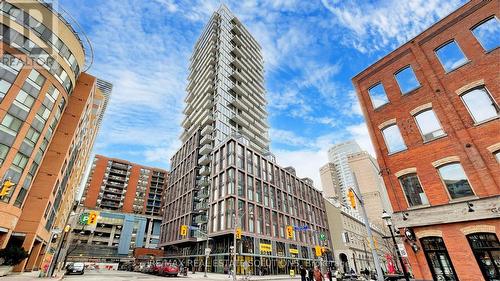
(311, 49)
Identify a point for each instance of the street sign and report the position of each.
(300, 228)
(402, 250)
(84, 218)
(322, 237)
(207, 251)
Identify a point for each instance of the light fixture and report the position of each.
(387, 218)
(470, 205)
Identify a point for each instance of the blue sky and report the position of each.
(311, 51)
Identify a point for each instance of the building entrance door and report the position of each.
(438, 259)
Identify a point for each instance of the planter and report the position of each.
(5, 269)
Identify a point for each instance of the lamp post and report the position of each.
(387, 218)
(236, 225)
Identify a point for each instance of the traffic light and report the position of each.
(318, 251)
(92, 217)
(238, 233)
(6, 186)
(352, 198)
(289, 232)
(184, 230)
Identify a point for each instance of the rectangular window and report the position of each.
(438, 259)
(488, 33)
(451, 56)
(250, 188)
(413, 190)
(480, 104)
(378, 95)
(11, 124)
(429, 125)
(393, 139)
(407, 80)
(455, 180)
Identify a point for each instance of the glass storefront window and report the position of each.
(438, 259)
(486, 249)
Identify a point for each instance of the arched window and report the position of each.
(438, 259)
(455, 180)
(486, 249)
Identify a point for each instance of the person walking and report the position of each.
(303, 273)
(317, 274)
(310, 273)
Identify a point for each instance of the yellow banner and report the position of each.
(265, 247)
(294, 251)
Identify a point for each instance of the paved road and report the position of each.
(126, 275)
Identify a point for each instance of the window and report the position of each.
(480, 104)
(454, 179)
(496, 153)
(24, 101)
(11, 124)
(488, 33)
(438, 259)
(4, 149)
(407, 80)
(429, 125)
(413, 190)
(451, 56)
(486, 249)
(393, 139)
(378, 95)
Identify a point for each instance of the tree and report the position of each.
(13, 255)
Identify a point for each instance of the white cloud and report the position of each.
(386, 23)
(360, 134)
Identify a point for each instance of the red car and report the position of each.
(168, 269)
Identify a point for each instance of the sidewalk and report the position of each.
(219, 276)
(30, 276)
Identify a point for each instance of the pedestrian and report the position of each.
(330, 277)
(303, 273)
(310, 274)
(317, 274)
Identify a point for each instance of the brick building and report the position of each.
(432, 111)
(48, 110)
(123, 186)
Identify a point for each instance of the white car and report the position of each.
(75, 268)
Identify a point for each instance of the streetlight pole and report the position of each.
(236, 225)
(376, 260)
(388, 221)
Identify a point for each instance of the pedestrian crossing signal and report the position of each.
(289, 232)
(184, 230)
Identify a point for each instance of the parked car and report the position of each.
(169, 269)
(75, 268)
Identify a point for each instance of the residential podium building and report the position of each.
(128, 197)
(49, 109)
(432, 111)
(224, 177)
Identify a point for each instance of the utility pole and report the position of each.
(376, 261)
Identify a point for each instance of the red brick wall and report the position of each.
(439, 88)
(464, 139)
(128, 203)
(96, 182)
(457, 245)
